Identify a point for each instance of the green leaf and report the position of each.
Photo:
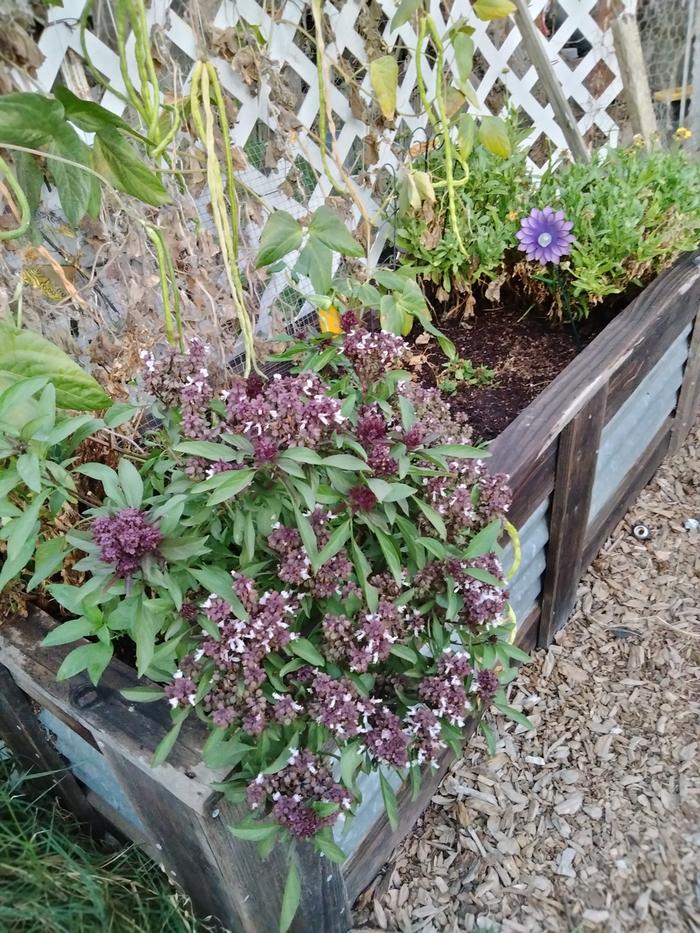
(216, 580)
(29, 471)
(458, 451)
(69, 631)
(226, 485)
(516, 653)
(486, 540)
(69, 426)
(405, 653)
(119, 413)
(291, 897)
(184, 548)
(70, 597)
(487, 733)
(390, 804)
(463, 46)
(209, 450)
(24, 528)
(316, 262)
(479, 574)
(13, 566)
(336, 541)
(350, 761)
(433, 517)
(28, 119)
(399, 492)
(142, 694)
(120, 163)
(404, 12)
(384, 78)
(47, 560)
(256, 832)
(330, 849)
(327, 227)
(131, 483)
(30, 177)
(282, 234)
(493, 135)
(515, 715)
(466, 135)
(93, 657)
(302, 455)
(105, 475)
(86, 114)
(303, 648)
(27, 354)
(345, 462)
(493, 9)
(165, 746)
(391, 554)
(73, 183)
(144, 629)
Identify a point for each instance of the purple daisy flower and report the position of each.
(545, 235)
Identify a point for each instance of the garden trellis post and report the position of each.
(560, 105)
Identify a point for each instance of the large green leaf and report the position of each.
(316, 261)
(463, 46)
(281, 234)
(290, 898)
(26, 354)
(120, 163)
(30, 178)
(87, 114)
(327, 227)
(404, 12)
(74, 184)
(28, 119)
(384, 77)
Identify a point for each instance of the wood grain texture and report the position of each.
(22, 733)
(634, 481)
(689, 397)
(224, 875)
(635, 80)
(578, 452)
(133, 728)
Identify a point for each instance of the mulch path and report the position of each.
(592, 822)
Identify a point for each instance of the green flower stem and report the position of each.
(22, 204)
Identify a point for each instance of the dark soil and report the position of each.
(526, 351)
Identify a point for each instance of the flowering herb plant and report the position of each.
(311, 566)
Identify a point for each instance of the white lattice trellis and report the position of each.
(592, 82)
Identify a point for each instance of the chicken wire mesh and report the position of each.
(668, 31)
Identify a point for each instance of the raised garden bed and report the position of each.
(577, 457)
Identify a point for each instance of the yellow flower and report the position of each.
(512, 215)
(329, 320)
(683, 133)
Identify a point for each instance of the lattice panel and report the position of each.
(276, 129)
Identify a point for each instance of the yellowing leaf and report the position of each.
(454, 101)
(384, 77)
(329, 320)
(466, 134)
(493, 9)
(425, 186)
(493, 134)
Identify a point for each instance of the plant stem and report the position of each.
(23, 204)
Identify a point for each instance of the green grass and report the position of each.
(54, 879)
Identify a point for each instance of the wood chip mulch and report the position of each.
(592, 822)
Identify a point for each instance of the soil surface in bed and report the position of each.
(525, 349)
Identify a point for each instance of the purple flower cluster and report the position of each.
(295, 567)
(337, 705)
(373, 353)
(435, 422)
(238, 654)
(483, 602)
(445, 692)
(125, 539)
(165, 376)
(306, 780)
(386, 740)
(288, 411)
(182, 691)
(423, 728)
(363, 643)
(468, 498)
(485, 685)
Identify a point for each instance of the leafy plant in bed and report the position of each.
(309, 565)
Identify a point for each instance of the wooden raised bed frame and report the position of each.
(577, 456)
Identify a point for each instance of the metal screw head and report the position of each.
(641, 532)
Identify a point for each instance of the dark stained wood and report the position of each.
(530, 487)
(689, 398)
(634, 481)
(576, 460)
(224, 875)
(24, 735)
(527, 630)
(656, 317)
(133, 728)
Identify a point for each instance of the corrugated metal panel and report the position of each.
(526, 585)
(90, 767)
(630, 431)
